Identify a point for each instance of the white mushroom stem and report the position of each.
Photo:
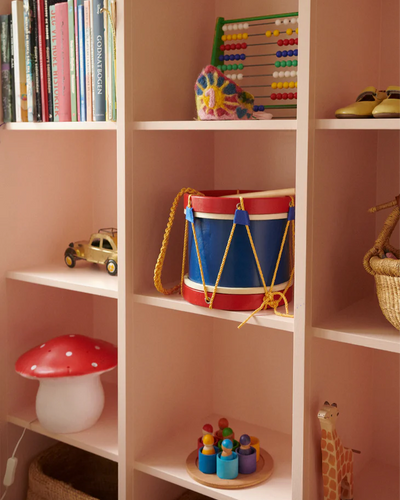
(69, 404)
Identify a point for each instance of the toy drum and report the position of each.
(240, 287)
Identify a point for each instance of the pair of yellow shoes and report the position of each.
(373, 103)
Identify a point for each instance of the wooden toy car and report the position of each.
(100, 249)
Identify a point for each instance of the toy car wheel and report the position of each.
(70, 260)
(112, 267)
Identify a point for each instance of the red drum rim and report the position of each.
(213, 203)
(229, 302)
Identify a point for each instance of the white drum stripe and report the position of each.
(233, 291)
(204, 215)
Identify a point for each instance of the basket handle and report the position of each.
(382, 242)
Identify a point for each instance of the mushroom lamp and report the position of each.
(70, 396)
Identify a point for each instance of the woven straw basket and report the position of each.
(386, 271)
(66, 473)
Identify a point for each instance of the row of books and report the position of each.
(58, 61)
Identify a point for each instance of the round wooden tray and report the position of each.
(265, 466)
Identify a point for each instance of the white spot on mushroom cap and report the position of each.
(42, 346)
(69, 353)
(97, 347)
(72, 335)
(95, 365)
(33, 367)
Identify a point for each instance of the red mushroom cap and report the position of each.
(67, 356)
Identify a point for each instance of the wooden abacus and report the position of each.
(234, 46)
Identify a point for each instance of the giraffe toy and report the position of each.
(337, 461)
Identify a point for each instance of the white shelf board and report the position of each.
(378, 480)
(84, 277)
(101, 439)
(168, 461)
(289, 124)
(61, 126)
(359, 124)
(176, 302)
(361, 324)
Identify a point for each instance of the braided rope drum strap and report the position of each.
(164, 246)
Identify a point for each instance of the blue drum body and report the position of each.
(240, 270)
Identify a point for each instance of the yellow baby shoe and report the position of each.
(364, 106)
(390, 107)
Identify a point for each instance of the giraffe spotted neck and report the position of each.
(337, 461)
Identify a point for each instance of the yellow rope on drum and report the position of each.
(163, 251)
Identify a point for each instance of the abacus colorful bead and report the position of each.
(234, 37)
(255, 108)
(280, 85)
(284, 53)
(275, 74)
(288, 63)
(279, 96)
(296, 52)
(229, 37)
(283, 64)
(261, 108)
(284, 96)
(234, 66)
(245, 36)
(289, 31)
(239, 46)
(240, 76)
(295, 95)
(290, 95)
(244, 45)
(277, 64)
(268, 34)
(291, 85)
(274, 85)
(290, 53)
(231, 57)
(286, 42)
(273, 97)
(286, 21)
(240, 66)
(223, 38)
(295, 63)
(276, 33)
(285, 85)
(229, 67)
(240, 36)
(291, 41)
(279, 53)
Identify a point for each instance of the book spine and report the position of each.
(78, 94)
(29, 61)
(48, 61)
(63, 62)
(98, 58)
(88, 63)
(12, 68)
(110, 64)
(54, 63)
(6, 88)
(106, 64)
(21, 108)
(42, 59)
(113, 63)
(35, 32)
(91, 53)
(82, 70)
(72, 62)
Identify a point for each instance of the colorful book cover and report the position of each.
(29, 60)
(63, 62)
(21, 104)
(42, 59)
(54, 63)
(78, 95)
(72, 63)
(6, 81)
(98, 62)
(82, 58)
(12, 67)
(35, 39)
(109, 63)
(88, 62)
